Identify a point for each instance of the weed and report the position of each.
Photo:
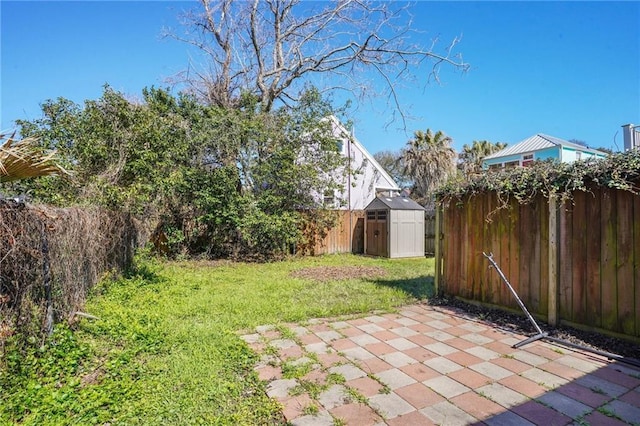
(607, 412)
(336, 379)
(543, 403)
(297, 390)
(354, 395)
(580, 421)
(287, 333)
(313, 389)
(597, 390)
(271, 350)
(291, 370)
(310, 410)
(339, 422)
(385, 388)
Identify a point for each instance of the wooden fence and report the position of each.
(346, 237)
(576, 263)
(429, 233)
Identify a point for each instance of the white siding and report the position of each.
(367, 176)
(406, 233)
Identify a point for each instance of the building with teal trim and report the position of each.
(539, 147)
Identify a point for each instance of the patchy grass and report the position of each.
(166, 349)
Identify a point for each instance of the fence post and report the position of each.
(438, 248)
(554, 244)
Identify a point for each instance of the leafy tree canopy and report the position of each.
(470, 159)
(429, 159)
(208, 176)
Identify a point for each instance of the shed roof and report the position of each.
(394, 203)
(537, 142)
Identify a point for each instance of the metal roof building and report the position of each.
(540, 147)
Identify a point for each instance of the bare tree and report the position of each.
(272, 48)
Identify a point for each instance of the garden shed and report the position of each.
(394, 227)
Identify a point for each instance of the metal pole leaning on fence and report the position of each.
(540, 334)
(544, 335)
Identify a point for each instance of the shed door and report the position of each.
(377, 233)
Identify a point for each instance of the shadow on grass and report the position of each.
(420, 287)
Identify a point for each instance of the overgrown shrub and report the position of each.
(204, 176)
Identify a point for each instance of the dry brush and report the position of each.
(51, 257)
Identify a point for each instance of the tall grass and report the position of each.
(166, 346)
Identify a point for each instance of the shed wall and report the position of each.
(406, 234)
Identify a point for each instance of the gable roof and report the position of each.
(344, 133)
(394, 203)
(536, 143)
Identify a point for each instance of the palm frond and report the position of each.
(23, 159)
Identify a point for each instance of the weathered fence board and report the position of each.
(579, 229)
(543, 252)
(429, 233)
(584, 271)
(636, 261)
(593, 298)
(624, 254)
(346, 237)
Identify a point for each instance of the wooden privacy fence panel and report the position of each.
(577, 263)
(346, 237)
(599, 268)
(517, 238)
(429, 233)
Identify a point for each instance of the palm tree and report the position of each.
(25, 159)
(471, 156)
(430, 160)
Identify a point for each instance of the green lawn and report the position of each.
(166, 348)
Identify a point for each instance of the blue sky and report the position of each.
(567, 69)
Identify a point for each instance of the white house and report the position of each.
(539, 147)
(365, 178)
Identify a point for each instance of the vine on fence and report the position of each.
(550, 179)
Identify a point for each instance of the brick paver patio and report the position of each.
(436, 366)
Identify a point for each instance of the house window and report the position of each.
(495, 166)
(382, 215)
(527, 160)
(371, 215)
(329, 198)
(511, 164)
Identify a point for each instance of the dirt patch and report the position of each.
(337, 273)
(92, 378)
